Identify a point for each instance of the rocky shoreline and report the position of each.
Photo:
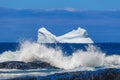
(101, 74)
(25, 65)
(104, 74)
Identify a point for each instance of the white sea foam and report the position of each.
(14, 73)
(31, 51)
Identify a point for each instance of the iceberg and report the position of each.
(44, 36)
(75, 36)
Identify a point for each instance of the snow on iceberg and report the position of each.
(44, 36)
(75, 36)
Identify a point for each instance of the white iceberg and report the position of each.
(44, 36)
(75, 36)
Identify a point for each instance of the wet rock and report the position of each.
(14, 65)
(32, 78)
(23, 65)
(39, 64)
(105, 74)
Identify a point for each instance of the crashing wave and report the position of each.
(30, 51)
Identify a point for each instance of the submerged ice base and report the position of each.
(75, 36)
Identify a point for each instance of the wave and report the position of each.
(32, 51)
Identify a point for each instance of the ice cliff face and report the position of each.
(44, 36)
(75, 36)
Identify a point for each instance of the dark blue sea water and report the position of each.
(108, 48)
(8, 46)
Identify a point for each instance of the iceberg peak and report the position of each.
(44, 30)
(44, 36)
(80, 30)
(75, 36)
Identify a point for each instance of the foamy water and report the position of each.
(31, 51)
(14, 73)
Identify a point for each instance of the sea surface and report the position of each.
(59, 61)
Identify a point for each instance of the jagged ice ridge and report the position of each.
(75, 36)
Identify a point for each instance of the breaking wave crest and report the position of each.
(31, 51)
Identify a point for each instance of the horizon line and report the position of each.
(59, 9)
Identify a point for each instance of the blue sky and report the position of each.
(99, 17)
(61, 4)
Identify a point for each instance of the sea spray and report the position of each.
(31, 51)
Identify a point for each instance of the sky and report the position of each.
(17, 23)
(62, 4)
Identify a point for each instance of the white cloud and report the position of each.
(70, 9)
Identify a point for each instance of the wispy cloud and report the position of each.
(70, 9)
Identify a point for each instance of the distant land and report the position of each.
(18, 24)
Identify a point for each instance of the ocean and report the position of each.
(59, 61)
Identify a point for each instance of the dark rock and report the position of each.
(14, 65)
(23, 65)
(31, 78)
(40, 64)
(105, 74)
